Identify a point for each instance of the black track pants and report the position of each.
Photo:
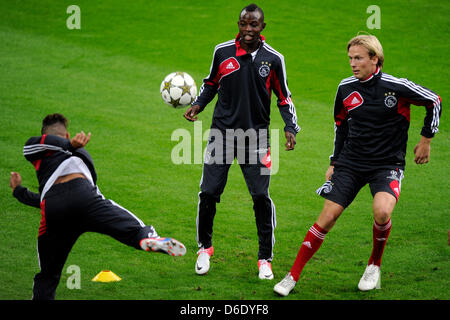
(212, 185)
(68, 210)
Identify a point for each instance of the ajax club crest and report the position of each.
(264, 69)
(390, 100)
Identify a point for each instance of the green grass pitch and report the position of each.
(105, 78)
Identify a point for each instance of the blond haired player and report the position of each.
(372, 115)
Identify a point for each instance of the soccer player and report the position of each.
(372, 115)
(243, 73)
(72, 204)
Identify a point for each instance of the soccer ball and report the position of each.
(178, 89)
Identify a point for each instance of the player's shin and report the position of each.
(312, 242)
(380, 237)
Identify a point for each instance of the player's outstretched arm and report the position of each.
(422, 151)
(15, 180)
(21, 193)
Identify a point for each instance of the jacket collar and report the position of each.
(239, 50)
(374, 75)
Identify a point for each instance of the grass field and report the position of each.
(105, 78)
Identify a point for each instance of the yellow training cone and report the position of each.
(106, 276)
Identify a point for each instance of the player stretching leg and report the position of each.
(371, 112)
(72, 204)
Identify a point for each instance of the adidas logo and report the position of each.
(355, 100)
(308, 244)
(230, 66)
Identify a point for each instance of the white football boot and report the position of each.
(169, 246)
(265, 269)
(285, 286)
(371, 278)
(202, 264)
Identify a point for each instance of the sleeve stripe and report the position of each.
(294, 114)
(288, 99)
(221, 45)
(411, 85)
(202, 87)
(436, 112)
(272, 50)
(36, 148)
(348, 80)
(423, 92)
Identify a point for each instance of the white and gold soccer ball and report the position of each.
(178, 89)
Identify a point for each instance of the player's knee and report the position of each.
(382, 214)
(330, 217)
(260, 196)
(261, 200)
(208, 198)
(209, 191)
(383, 205)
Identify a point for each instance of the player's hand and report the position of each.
(290, 140)
(80, 140)
(422, 151)
(192, 112)
(15, 180)
(329, 173)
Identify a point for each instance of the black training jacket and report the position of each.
(46, 153)
(244, 88)
(372, 119)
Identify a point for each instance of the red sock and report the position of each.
(310, 245)
(380, 236)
